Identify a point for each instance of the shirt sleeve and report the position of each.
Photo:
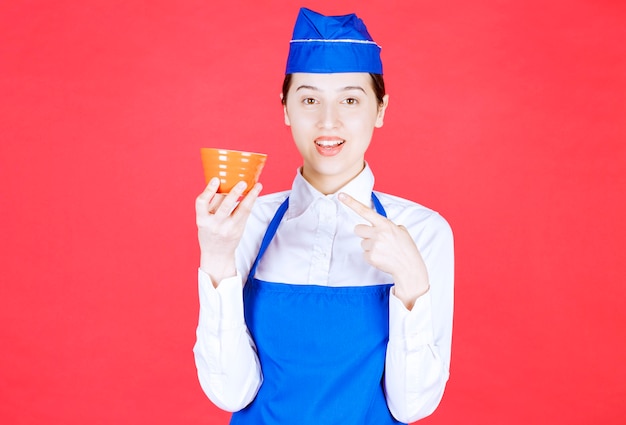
(225, 354)
(417, 363)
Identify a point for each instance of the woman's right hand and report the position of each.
(221, 222)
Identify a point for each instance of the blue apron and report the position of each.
(322, 349)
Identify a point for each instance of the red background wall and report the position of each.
(507, 117)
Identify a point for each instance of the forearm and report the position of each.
(218, 267)
(415, 371)
(410, 286)
(225, 356)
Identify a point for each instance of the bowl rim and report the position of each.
(234, 151)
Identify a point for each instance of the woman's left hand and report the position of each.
(391, 249)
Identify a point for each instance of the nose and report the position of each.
(329, 116)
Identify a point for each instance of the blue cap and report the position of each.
(328, 44)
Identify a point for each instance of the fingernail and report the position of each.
(241, 185)
(342, 196)
(214, 182)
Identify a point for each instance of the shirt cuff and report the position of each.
(225, 303)
(410, 330)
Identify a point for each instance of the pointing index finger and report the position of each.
(364, 211)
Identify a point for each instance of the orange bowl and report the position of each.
(231, 167)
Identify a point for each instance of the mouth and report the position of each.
(329, 146)
(323, 142)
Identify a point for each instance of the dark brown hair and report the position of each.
(378, 84)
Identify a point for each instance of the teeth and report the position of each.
(329, 143)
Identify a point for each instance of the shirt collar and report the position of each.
(303, 194)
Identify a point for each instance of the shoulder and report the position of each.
(414, 216)
(271, 200)
(265, 206)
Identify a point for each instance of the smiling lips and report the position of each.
(329, 146)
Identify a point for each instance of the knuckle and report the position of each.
(245, 207)
(200, 200)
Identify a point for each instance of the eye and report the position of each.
(309, 101)
(351, 101)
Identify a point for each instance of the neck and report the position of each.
(328, 184)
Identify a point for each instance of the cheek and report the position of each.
(300, 123)
(299, 131)
(362, 122)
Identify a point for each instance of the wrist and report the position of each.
(218, 268)
(408, 290)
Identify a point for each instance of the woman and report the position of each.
(328, 303)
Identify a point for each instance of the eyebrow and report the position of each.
(347, 88)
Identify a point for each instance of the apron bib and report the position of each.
(322, 349)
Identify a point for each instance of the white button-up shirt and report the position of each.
(315, 244)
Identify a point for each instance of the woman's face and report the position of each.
(332, 118)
